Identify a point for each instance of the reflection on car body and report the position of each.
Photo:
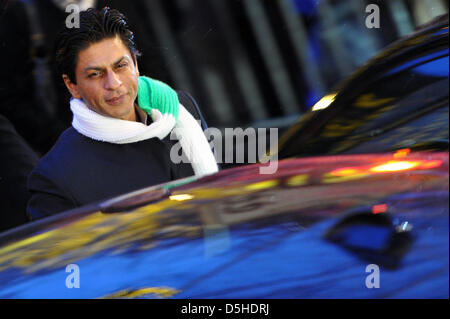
(198, 248)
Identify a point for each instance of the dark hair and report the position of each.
(95, 25)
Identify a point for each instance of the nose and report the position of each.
(112, 81)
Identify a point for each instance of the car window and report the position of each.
(405, 106)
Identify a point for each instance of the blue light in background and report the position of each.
(308, 7)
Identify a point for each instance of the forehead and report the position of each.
(102, 54)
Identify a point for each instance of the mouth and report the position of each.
(116, 100)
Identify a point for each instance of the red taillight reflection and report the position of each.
(377, 209)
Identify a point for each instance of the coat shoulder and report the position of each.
(67, 149)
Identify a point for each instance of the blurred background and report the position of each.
(258, 63)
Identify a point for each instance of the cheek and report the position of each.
(134, 70)
(92, 93)
(133, 82)
(134, 77)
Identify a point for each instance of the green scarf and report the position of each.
(154, 94)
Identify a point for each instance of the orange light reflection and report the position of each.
(402, 153)
(431, 164)
(345, 171)
(377, 209)
(394, 166)
(390, 166)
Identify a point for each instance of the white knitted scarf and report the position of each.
(187, 131)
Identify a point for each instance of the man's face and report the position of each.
(107, 79)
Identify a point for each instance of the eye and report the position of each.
(93, 75)
(122, 65)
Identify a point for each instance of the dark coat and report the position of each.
(78, 170)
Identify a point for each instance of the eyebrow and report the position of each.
(99, 68)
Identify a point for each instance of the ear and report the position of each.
(72, 87)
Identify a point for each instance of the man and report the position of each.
(113, 146)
